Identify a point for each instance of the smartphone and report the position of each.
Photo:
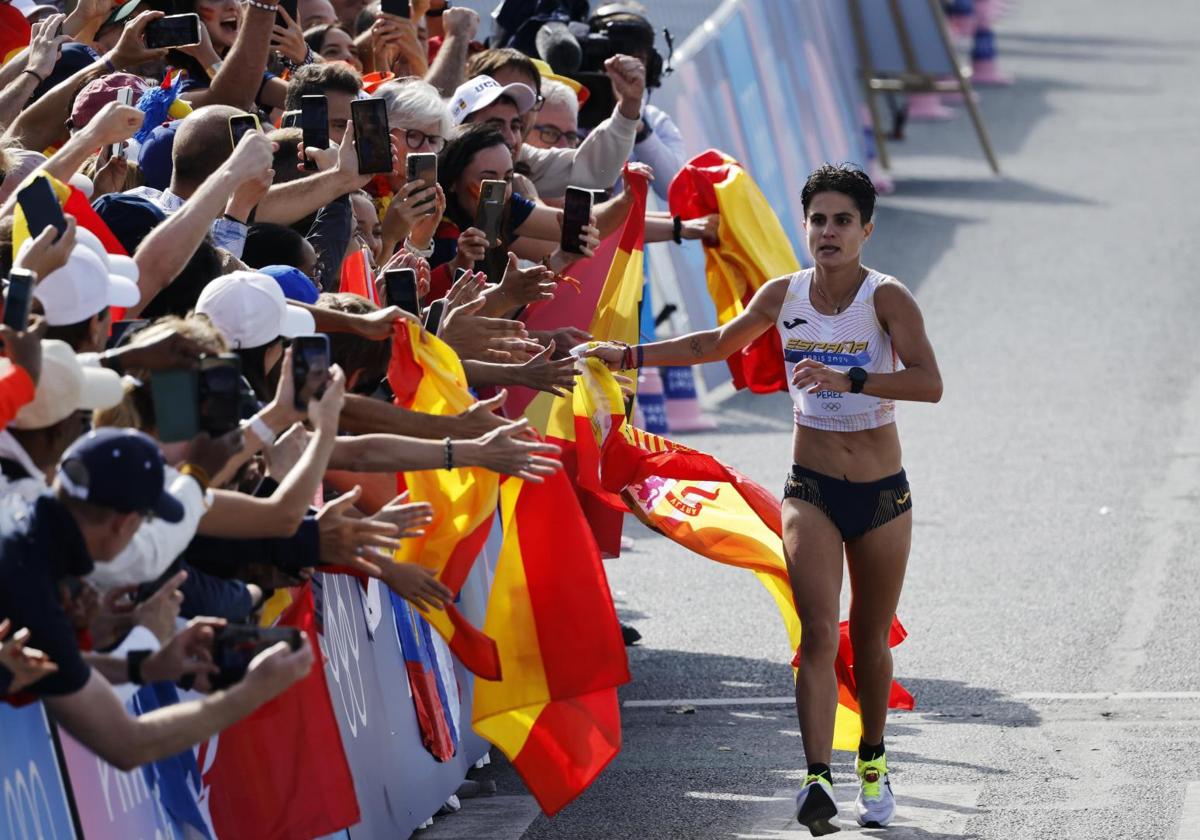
(18, 298)
(292, 7)
(124, 97)
(235, 646)
(41, 208)
(399, 8)
(173, 31)
(577, 214)
(400, 285)
(176, 398)
(372, 142)
(422, 166)
(433, 318)
(121, 329)
(489, 213)
(241, 124)
(219, 395)
(314, 121)
(310, 368)
(290, 119)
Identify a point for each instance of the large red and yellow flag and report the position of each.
(426, 375)
(554, 712)
(615, 319)
(754, 248)
(704, 505)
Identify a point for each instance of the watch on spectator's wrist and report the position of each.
(412, 248)
(134, 660)
(858, 378)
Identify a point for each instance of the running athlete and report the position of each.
(856, 341)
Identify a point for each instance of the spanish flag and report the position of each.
(426, 375)
(705, 506)
(615, 319)
(74, 203)
(555, 712)
(754, 248)
(356, 277)
(14, 32)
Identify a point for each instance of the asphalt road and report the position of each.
(1051, 595)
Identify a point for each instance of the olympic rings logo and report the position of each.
(342, 643)
(831, 406)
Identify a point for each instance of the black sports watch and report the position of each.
(858, 378)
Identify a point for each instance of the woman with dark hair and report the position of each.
(858, 342)
(478, 153)
(271, 244)
(220, 23)
(332, 42)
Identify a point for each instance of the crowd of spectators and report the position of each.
(130, 541)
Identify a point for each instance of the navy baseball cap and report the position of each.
(129, 217)
(154, 156)
(120, 469)
(295, 283)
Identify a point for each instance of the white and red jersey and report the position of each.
(852, 338)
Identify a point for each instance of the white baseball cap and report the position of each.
(250, 309)
(478, 93)
(82, 287)
(118, 264)
(65, 386)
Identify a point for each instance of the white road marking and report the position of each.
(1107, 695)
(494, 817)
(922, 811)
(1189, 817)
(711, 701)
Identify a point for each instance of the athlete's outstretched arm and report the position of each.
(920, 381)
(707, 345)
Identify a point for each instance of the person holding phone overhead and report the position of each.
(847, 492)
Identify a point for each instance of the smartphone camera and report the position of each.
(310, 368)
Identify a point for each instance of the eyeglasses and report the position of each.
(552, 134)
(416, 139)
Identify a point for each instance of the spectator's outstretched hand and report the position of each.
(475, 336)
(288, 39)
(278, 667)
(460, 22)
(44, 254)
(417, 585)
(211, 454)
(521, 286)
(27, 665)
(187, 657)
(353, 541)
(705, 228)
(158, 612)
(544, 373)
(45, 44)
(410, 518)
(114, 123)
(481, 417)
(628, 76)
(508, 451)
(131, 49)
(472, 247)
(24, 349)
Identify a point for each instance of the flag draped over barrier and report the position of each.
(705, 506)
(754, 248)
(615, 319)
(282, 772)
(554, 713)
(426, 375)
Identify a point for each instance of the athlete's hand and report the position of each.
(610, 354)
(817, 377)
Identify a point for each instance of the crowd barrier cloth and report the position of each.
(36, 804)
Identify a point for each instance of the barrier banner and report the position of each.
(35, 797)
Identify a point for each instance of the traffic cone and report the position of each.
(650, 401)
(960, 16)
(928, 107)
(984, 69)
(683, 409)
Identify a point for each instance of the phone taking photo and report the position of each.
(240, 125)
(433, 318)
(173, 31)
(18, 298)
(122, 329)
(372, 142)
(219, 394)
(292, 7)
(422, 166)
(400, 286)
(489, 212)
(310, 368)
(314, 122)
(235, 646)
(124, 97)
(176, 398)
(577, 214)
(41, 208)
(399, 8)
